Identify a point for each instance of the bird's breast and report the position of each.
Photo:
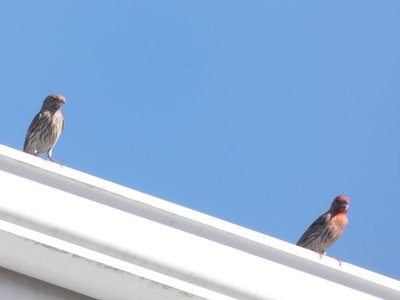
(339, 222)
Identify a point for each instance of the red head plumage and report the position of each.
(340, 204)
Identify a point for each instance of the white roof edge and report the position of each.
(185, 220)
(123, 279)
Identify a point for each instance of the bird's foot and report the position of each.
(338, 259)
(324, 253)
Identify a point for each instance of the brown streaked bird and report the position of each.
(327, 228)
(46, 127)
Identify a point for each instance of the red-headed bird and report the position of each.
(46, 127)
(327, 228)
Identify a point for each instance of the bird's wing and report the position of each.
(32, 127)
(314, 231)
(62, 127)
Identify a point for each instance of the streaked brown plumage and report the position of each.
(327, 228)
(46, 127)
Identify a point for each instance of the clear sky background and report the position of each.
(255, 112)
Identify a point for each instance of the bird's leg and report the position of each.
(338, 259)
(49, 155)
(324, 253)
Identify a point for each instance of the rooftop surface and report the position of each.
(107, 241)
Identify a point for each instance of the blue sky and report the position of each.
(255, 112)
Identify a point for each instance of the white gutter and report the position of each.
(110, 242)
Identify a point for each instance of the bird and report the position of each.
(327, 228)
(46, 127)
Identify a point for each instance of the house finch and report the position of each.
(327, 228)
(46, 127)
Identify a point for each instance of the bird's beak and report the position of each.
(344, 205)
